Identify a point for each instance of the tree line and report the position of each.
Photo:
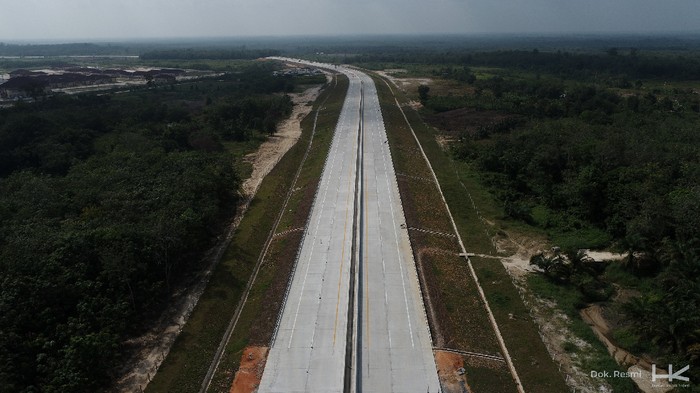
(72, 49)
(631, 63)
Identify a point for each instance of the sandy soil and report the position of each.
(250, 370)
(521, 249)
(605, 255)
(593, 316)
(552, 324)
(151, 348)
(288, 133)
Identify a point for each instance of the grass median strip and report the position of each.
(191, 355)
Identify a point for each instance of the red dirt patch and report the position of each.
(250, 371)
(449, 365)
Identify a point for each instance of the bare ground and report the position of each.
(553, 324)
(594, 316)
(150, 349)
(288, 133)
(250, 371)
(405, 84)
(448, 366)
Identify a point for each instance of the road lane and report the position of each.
(391, 341)
(308, 353)
(394, 341)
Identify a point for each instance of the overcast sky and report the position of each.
(127, 19)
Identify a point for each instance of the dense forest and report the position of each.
(599, 151)
(106, 204)
(628, 63)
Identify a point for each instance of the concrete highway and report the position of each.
(353, 319)
(394, 344)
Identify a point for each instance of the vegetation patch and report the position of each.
(107, 204)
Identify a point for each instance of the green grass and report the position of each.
(493, 377)
(616, 272)
(580, 238)
(238, 150)
(535, 367)
(190, 357)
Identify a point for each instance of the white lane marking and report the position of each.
(381, 247)
(396, 238)
(336, 146)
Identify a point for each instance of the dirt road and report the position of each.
(288, 132)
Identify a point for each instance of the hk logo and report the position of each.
(671, 375)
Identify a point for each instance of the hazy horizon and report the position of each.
(242, 39)
(105, 21)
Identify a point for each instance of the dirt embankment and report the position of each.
(639, 368)
(451, 372)
(288, 133)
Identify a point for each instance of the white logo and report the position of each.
(671, 375)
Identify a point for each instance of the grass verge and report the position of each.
(187, 363)
(536, 369)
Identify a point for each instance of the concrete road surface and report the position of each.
(353, 319)
(393, 338)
